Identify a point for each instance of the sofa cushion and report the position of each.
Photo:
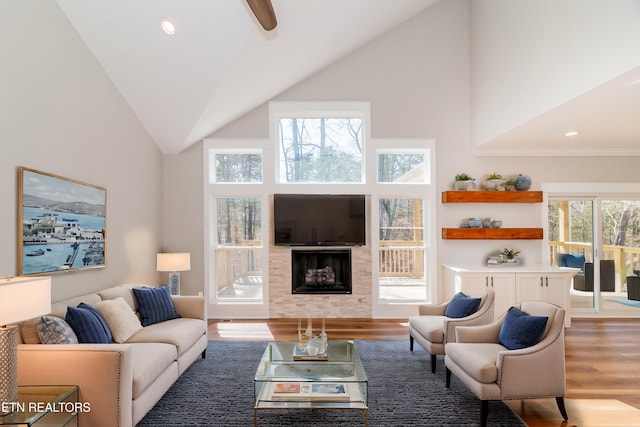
(155, 305)
(123, 292)
(573, 261)
(461, 306)
(430, 327)
(520, 330)
(182, 333)
(88, 324)
(120, 318)
(54, 330)
(59, 309)
(149, 361)
(29, 331)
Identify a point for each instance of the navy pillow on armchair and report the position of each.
(461, 306)
(521, 330)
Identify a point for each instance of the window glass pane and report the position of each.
(401, 168)
(239, 274)
(402, 254)
(238, 167)
(320, 150)
(239, 222)
(401, 220)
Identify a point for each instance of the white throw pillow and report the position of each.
(121, 319)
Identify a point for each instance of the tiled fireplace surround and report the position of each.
(284, 304)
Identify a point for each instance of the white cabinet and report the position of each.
(503, 284)
(543, 287)
(512, 286)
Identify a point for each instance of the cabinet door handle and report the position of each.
(541, 283)
(486, 281)
(546, 281)
(492, 281)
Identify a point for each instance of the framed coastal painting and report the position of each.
(61, 223)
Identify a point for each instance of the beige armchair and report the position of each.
(492, 372)
(432, 329)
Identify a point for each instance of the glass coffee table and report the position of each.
(339, 382)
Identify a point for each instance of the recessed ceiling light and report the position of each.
(168, 27)
(572, 133)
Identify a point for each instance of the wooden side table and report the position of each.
(633, 288)
(42, 405)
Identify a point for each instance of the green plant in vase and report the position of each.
(494, 181)
(511, 254)
(464, 182)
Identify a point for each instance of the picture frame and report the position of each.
(61, 223)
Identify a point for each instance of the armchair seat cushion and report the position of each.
(430, 327)
(478, 360)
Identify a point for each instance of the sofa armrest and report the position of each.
(102, 372)
(190, 306)
(433, 309)
(479, 333)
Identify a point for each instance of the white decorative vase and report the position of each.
(467, 185)
(494, 184)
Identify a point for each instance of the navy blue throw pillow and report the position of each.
(155, 305)
(574, 261)
(88, 324)
(461, 306)
(521, 330)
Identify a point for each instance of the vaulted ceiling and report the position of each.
(220, 64)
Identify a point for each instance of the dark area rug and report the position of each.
(218, 391)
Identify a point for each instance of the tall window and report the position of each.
(238, 256)
(402, 249)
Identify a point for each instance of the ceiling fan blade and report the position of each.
(263, 10)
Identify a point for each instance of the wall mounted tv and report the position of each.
(319, 219)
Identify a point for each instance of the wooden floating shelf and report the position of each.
(492, 197)
(492, 233)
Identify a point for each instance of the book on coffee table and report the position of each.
(307, 391)
(299, 354)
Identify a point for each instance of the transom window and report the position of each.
(239, 166)
(319, 146)
(402, 167)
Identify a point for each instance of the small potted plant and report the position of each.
(494, 181)
(511, 255)
(509, 185)
(464, 182)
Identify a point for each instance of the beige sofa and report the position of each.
(120, 382)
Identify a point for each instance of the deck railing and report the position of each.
(626, 258)
(401, 259)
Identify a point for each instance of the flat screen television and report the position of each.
(319, 219)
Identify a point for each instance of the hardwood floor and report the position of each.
(602, 364)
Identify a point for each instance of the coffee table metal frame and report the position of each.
(343, 366)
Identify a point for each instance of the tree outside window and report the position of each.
(320, 149)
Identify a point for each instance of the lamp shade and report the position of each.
(174, 261)
(22, 298)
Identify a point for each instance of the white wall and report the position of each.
(529, 56)
(417, 79)
(59, 113)
(183, 208)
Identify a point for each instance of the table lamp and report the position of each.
(174, 263)
(21, 298)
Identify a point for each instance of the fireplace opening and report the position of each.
(321, 271)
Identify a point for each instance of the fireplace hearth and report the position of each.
(321, 271)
